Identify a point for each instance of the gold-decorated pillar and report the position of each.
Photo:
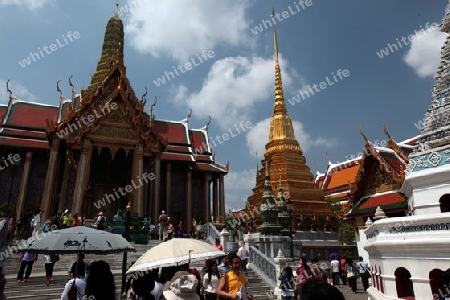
(169, 187)
(50, 179)
(64, 187)
(215, 197)
(157, 183)
(24, 183)
(138, 171)
(188, 202)
(83, 172)
(206, 197)
(221, 195)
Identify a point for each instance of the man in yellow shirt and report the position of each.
(231, 283)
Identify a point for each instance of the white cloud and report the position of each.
(423, 55)
(258, 136)
(28, 4)
(238, 186)
(185, 28)
(238, 84)
(18, 90)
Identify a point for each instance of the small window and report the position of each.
(403, 283)
(444, 202)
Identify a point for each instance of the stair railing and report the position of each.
(212, 233)
(3, 230)
(264, 266)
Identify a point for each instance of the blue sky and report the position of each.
(235, 84)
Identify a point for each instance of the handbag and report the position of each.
(351, 274)
(367, 274)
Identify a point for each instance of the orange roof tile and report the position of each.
(343, 177)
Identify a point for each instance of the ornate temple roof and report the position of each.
(391, 201)
(23, 124)
(379, 178)
(31, 125)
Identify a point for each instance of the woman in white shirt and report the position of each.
(243, 255)
(211, 281)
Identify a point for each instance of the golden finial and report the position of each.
(275, 41)
(361, 132)
(116, 11)
(73, 87)
(11, 97)
(209, 122)
(327, 158)
(61, 96)
(386, 132)
(189, 115)
(145, 94)
(151, 107)
(129, 206)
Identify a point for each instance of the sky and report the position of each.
(345, 64)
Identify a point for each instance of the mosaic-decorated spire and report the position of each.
(268, 198)
(438, 114)
(433, 148)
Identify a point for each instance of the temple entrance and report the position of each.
(108, 177)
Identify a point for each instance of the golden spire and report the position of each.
(112, 51)
(280, 124)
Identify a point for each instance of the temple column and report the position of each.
(221, 195)
(215, 197)
(50, 179)
(64, 187)
(206, 197)
(83, 172)
(23, 190)
(188, 202)
(157, 186)
(169, 188)
(138, 171)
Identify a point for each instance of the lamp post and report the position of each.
(13, 170)
(127, 237)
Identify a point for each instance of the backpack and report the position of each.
(73, 291)
(54, 258)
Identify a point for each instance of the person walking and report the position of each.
(343, 270)
(100, 282)
(163, 226)
(351, 274)
(218, 245)
(77, 268)
(170, 229)
(50, 260)
(12, 224)
(211, 281)
(243, 255)
(287, 284)
(224, 267)
(36, 222)
(233, 284)
(363, 269)
(303, 274)
(335, 271)
(26, 260)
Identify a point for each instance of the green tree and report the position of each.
(346, 231)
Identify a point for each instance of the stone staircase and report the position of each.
(35, 288)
